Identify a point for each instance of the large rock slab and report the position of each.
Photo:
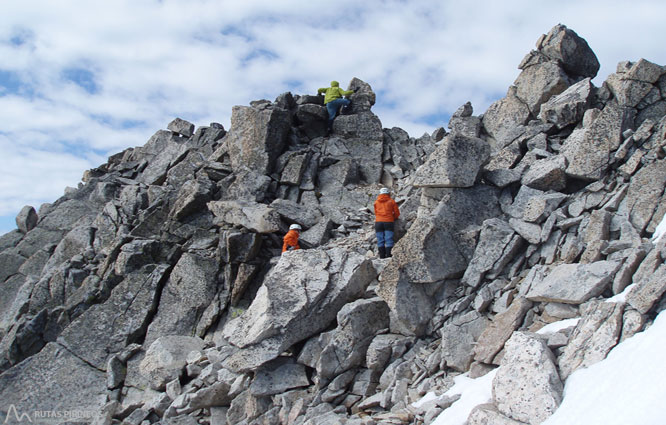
(384, 349)
(419, 253)
(120, 320)
(14, 294)
(494, 337)
(10, 263)
(191, 288)
(75, 242)
(547, 174)
(292, 173)
(598, 228)
(318, 234)
(522, 200)
(569, 106)
(540, 208)
(191, 198)
(644, 70)
(428, 253)
(363, 98)
(594, 336)
(312, 119)
(363, 137)
(527, 387)
(504, 116)
(299, 297)
(166, 358)
(257, 137)
(574, 283)
(497, 246)
(278, 377)
(10, 239)
(346, 346)
(568, 48)
(644, 196)
(631, 86)
(181, 127)
(462, 211)
(538, 83)
(161, 152)
(247, 185)
(135, 254)
(588, 150)
(60, 219)
(529, 231)
(293, 212)
(239, 247)
(52, 380)
(459, 337)
(455, 163)
(252, 215)
(648, 291)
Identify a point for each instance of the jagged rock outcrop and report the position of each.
(156, 291)
(312, 287)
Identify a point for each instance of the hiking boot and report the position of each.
(388, 251)
(382, 252)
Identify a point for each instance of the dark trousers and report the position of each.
(384, 231)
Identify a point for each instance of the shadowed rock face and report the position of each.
(157, 290)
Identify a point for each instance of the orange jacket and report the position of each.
(386, 210)
(291, 240)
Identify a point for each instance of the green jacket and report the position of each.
(334, 92)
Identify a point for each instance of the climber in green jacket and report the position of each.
(333, 100)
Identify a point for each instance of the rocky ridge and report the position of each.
(155, 291)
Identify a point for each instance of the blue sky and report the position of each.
(84, 79)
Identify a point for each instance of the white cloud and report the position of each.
(151, 61)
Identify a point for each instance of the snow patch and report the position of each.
(473, 392)
(552, 328)
(622, 296)
(660, 231)
(625, 388)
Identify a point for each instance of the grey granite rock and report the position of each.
(257, 137)
(459, 338)
(455, 163)
(527, 386)
(310, 300)
(166, 358)
(26, 220)
(574, 283)
(595, 335)
(494, 337)
(181, 127)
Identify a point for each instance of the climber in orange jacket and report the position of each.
(386, 213)
(291, 238)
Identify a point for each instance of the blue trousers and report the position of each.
(384, 232)
(333, 107)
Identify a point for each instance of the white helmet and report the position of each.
(384, 191)
(294, 227)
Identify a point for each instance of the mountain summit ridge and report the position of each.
(155, 292)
